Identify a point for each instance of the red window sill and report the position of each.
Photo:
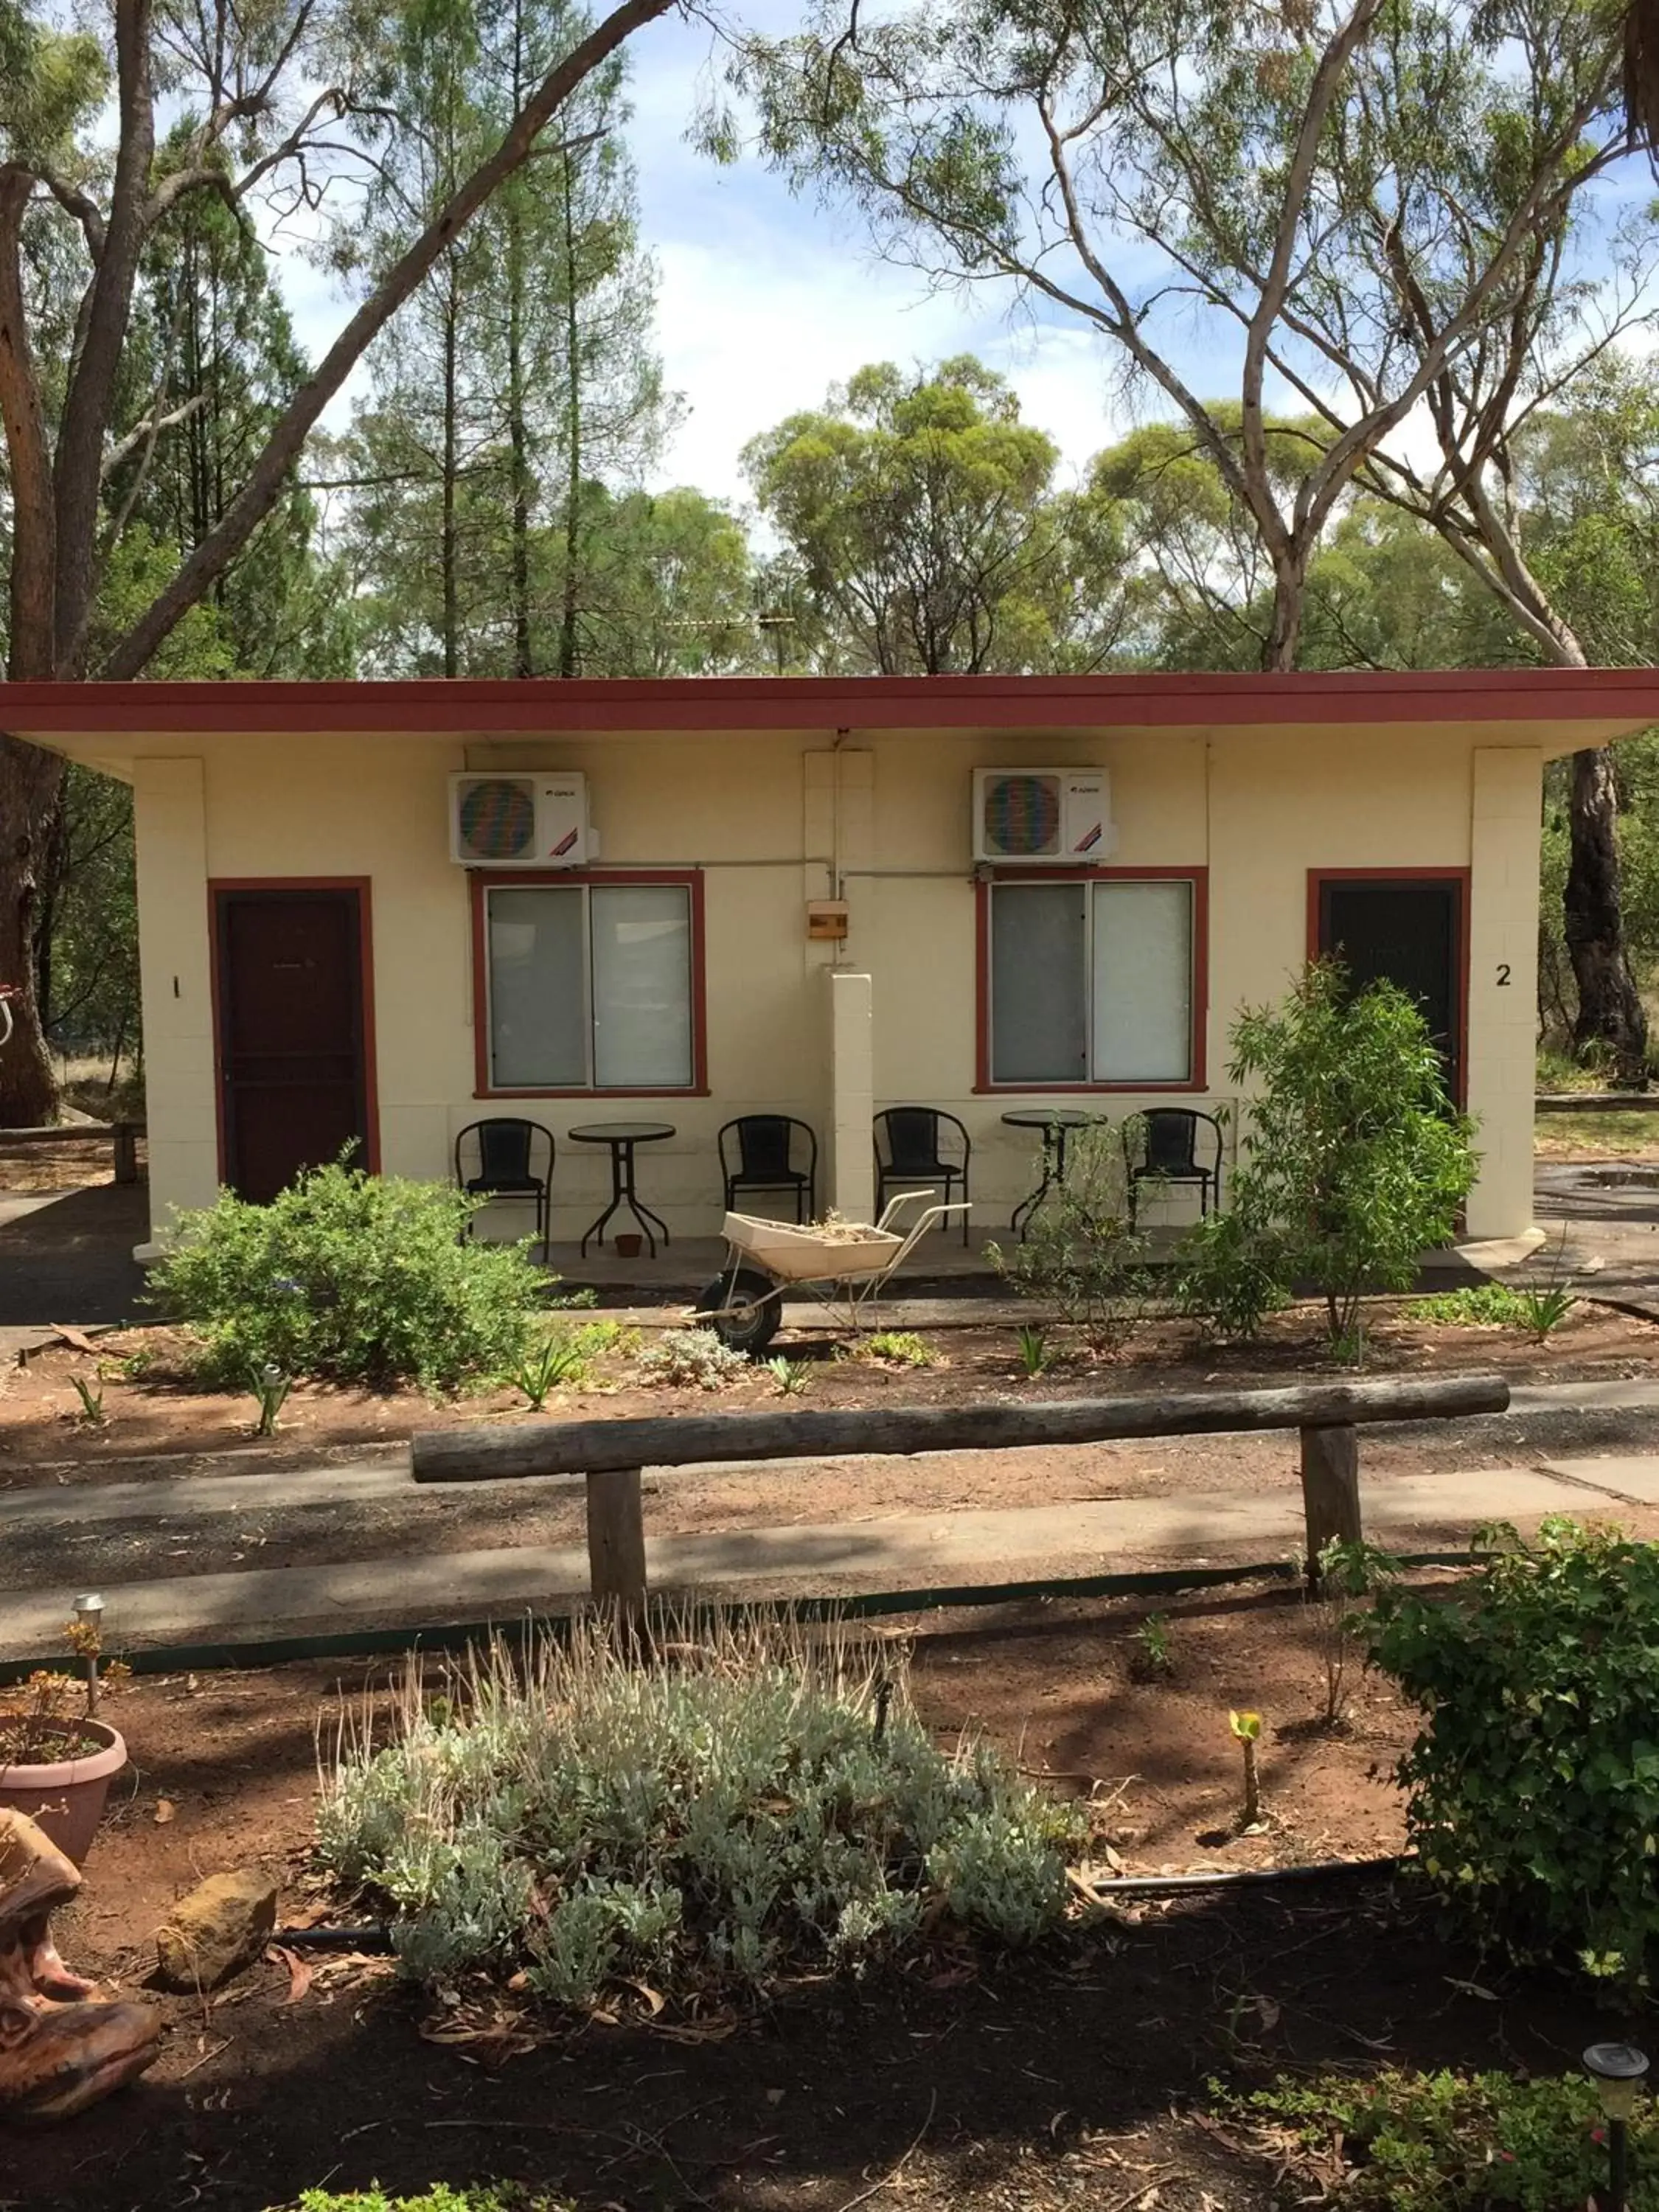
(1088, 1090)
(599, 1097)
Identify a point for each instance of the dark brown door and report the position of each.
(1407, 931)
(291, 1031)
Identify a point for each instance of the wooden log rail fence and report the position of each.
(122, 1137)
(612, 1454)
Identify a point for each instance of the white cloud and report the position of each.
(764, 322)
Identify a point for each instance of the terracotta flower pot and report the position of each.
(65, 1796)
(629, 1245)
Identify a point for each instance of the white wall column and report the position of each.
(175, 981)
(852, 1177)
(1506, 803)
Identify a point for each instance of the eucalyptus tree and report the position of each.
(1358, 204)
(665, 588)
(275, 99)
(920, 509)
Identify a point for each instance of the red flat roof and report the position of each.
(465, 706)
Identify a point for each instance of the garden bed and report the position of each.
(150, 1408)
(1065, 2075)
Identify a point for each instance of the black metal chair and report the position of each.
(765, 1147)
(911, 1144)
(505, 1149)
(1162, 1145)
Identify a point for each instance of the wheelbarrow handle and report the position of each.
(920, 1227)
(897, 1204)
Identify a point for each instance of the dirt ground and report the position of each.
(1072, 2075)
(156, 1430)
(45, 1438)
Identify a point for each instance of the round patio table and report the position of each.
(1055, 1123)
(623, 1137)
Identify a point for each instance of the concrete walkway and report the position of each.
(905, 1551)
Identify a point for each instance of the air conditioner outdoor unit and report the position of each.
(518, 821)
(1051, 815)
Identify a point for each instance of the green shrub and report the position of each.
(1080, 1251)
(349, 1277)
(901, 1347)
(1353, 1162)
(509, 2197)
(756, 1803)
(1534, 1783)
(1477, 1305)
(1451, 2142)
(1540, 1309)
(691, 1359)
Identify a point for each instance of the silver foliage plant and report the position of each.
(751, 1801)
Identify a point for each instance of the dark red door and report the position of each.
(292, 1062)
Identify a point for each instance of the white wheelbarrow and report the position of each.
(744, 1304)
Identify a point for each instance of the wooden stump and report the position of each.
(1330, 1491)
(126, 1152)
(615, 1544)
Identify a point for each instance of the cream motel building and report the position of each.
(385, 910)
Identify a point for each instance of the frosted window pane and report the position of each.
(1143, 982)
(1039, 990)
(537, 1001)
(643, 988)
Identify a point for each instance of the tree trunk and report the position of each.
(49, 884)
(569, 658)
(519, 438)
(30, 781)
(448, 553)
(1610, 1010)
(1278, 648)
(517, 428)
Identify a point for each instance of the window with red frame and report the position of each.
(1091, 982)
(590, 987)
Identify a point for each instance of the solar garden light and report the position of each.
(1618, 2070)
(89, 1616)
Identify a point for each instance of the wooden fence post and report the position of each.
(126, 1152)
(616, 1543)
(1330, 1491)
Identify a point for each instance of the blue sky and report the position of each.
(767, 299)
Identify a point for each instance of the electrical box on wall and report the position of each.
(537, 820)
(826, 918)
(1051, 816)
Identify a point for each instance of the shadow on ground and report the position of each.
(1032, 2083)
(71, 1260)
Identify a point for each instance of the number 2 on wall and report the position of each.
(1503, 974)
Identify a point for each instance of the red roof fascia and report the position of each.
(465, 707)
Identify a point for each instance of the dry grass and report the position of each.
(1617, 1135)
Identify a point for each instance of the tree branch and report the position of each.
(1276, 282)
(149, 429)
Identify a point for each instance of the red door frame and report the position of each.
(362, 886)
(1317, 877)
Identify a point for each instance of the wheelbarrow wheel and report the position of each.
(743, 1310)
